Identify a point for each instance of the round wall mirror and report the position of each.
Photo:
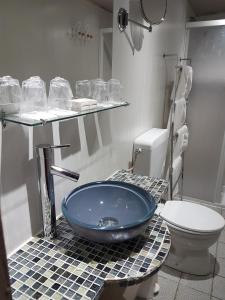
(154, 11)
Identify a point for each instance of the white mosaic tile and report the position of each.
(71, 267)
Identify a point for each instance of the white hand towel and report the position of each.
(83, 104)
(176, 80)
(177, 166)
(185, 82)
(181, 141)
(179, 114)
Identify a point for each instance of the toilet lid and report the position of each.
(192, 216)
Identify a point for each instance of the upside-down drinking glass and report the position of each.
(100, 91)
(59, 93)
(10, 94)
(34, 94)
(83, 89)
(114, 88)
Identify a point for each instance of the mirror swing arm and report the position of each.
(123, 19)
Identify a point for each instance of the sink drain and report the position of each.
(108, 222)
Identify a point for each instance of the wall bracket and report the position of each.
(123, 20)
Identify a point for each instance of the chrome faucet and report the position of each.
(46, 170)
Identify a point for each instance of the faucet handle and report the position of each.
(60, 146)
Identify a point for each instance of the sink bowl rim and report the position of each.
(136, 189)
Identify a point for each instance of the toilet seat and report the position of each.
(191, 217)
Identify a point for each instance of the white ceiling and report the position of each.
(200, 7)
(206, 7)
(106, 4)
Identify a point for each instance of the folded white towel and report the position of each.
(176, 81)
(83, 104)
(179, 116)
(180, 113)
(181, 141)
(185, 82)
(177, 168)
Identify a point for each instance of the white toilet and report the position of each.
(193, 227)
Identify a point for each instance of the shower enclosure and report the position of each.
(205, 156)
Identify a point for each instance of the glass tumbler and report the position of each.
(83, 89)
(100, 91)
(10, 94)
(34, 94)
(59, 93)
(114, 87)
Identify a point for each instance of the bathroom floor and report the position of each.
(175, 285)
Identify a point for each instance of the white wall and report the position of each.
(145, 74)
(100, 144)
(35, 40)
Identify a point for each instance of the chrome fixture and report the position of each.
(123, 20)
(174, 55)
(46, 170)
(153, 12)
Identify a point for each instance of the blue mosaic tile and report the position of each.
(74, 268)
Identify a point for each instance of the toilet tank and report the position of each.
(153, 145)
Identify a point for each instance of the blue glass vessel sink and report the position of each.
(108, 211)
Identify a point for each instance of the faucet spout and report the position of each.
(46, 171)
(64, 173)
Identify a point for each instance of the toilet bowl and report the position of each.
(194, 228)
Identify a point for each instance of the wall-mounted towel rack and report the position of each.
(186, 59)
(173, 135)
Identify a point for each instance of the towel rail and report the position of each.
(178, 179)
(174, 135)
(186, 59)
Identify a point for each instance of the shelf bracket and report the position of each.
(3, 119)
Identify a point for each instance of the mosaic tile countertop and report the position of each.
(157, 187)
(71, 267)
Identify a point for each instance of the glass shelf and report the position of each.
(31, 119)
